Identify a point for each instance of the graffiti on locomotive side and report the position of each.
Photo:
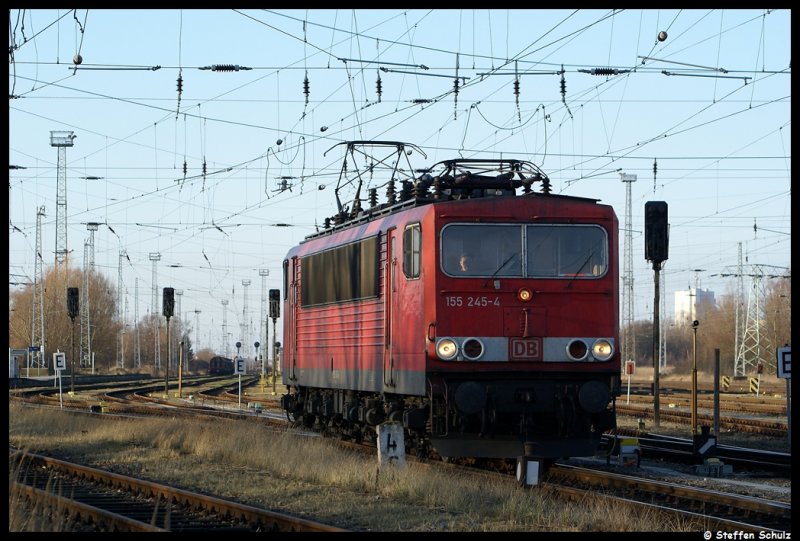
(457, 301)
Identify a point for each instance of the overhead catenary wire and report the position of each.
(403, 116)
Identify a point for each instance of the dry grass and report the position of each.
(25, 516)
(306, 476)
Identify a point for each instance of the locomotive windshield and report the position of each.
(524, 251)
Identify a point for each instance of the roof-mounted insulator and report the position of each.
(225, 67)
(373, 197)
(437, 188)
(420, 190)
(356, 209)
(327, 223)
(545, 184)
(405, 192)
(390, 193)
(306, 89)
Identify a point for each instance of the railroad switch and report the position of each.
(713, 467)
(704, 444)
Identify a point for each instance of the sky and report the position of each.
(695, 103)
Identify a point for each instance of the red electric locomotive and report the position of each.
(481, 314)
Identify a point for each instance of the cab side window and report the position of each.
(412, 250)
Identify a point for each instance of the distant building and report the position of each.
(688, 302)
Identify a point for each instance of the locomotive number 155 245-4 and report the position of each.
(457, 301)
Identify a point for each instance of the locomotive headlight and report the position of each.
(577, 349)
(524, 294)
(446, 349)
(602, 350)
(472, 348)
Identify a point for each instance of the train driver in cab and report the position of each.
(465, 262)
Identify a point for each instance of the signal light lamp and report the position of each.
(524, 294)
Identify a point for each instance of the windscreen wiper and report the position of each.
(512, 256)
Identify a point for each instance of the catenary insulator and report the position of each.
(604, 71)
(227, 67)
(655, 171)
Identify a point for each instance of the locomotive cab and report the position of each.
(524, 342)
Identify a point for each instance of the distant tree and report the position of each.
(58, 331)
(717, 330)
(778, 316)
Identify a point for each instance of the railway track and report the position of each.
(730, 403)
(111, 502)
(717, 510)
(682, 450)
(710, 508)
(777, 429)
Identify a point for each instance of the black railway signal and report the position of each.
(169, 302)
(656, 231)
(72, 302)
(274, 303)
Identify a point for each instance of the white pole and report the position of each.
(629, 390)
(789, 414)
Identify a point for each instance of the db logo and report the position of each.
(526, 349)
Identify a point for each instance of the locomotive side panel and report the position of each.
(411, 267)
(337, 316)
(334, 339)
